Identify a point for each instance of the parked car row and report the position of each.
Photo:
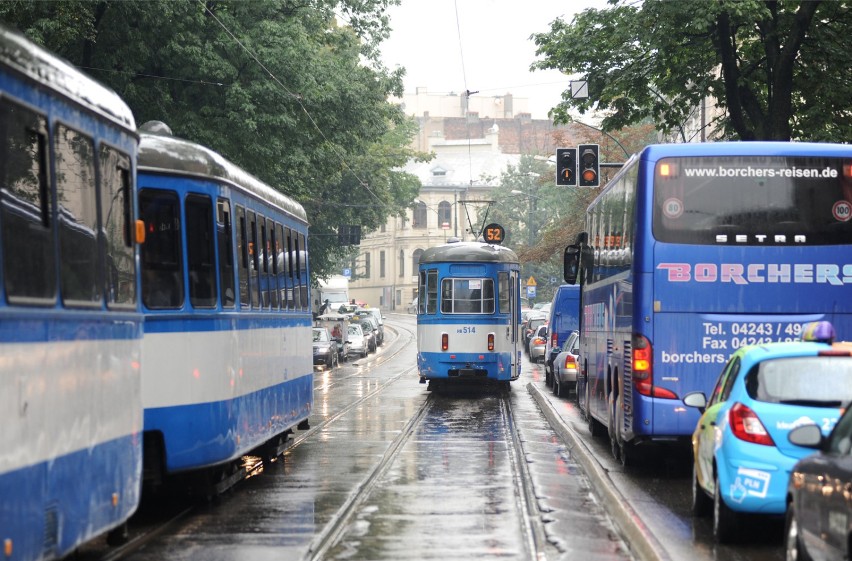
(337, 336)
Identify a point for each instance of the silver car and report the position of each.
(538, 344)
(565, 366)
(358, 344)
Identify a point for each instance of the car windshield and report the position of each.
(355, 330)
(808, 380)
(535, 323)
(320, 335)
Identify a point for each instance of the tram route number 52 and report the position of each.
(493, 234)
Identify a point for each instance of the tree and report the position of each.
(276, 86)
(779, 68)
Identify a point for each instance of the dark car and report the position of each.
(819, 494)
(326, 351)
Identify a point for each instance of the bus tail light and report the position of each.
(746, 425)
(490, 341)
(643, 373)
(641, 363)
(445, 341)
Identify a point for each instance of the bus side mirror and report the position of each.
(571, 264)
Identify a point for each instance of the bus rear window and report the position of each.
(753, 200)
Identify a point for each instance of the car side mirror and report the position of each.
(696, 399)
(807, 436)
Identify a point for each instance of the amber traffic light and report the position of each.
(566, 167)
(589, 165)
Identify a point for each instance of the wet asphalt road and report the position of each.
(390, 470)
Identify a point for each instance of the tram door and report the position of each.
(514, 287)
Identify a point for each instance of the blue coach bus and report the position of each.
(695, 250)
(468, 320)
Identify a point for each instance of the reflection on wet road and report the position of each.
(391, 471)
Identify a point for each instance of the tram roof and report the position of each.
(159, 152)
(471, 252)
(22, 55)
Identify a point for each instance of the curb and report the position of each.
(635, 533)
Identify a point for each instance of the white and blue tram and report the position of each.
(70, 321)
(227, 362)
(468, 317)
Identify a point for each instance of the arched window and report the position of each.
(445, 215)
(415, 260)
(419, 215)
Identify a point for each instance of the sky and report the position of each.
(478, 45)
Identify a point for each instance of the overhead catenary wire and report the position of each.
(297, 97)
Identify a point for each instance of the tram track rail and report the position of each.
(335, 528)
(141, 534)
(533, 527)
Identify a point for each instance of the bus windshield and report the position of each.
(753, 200)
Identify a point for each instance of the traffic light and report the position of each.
(589, 165)
(566, 167)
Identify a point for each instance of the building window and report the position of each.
(401, 263)
(419, 220)
(445, 215)
(381, 264)
(415, 260)
(366, 265)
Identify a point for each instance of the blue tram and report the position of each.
(468, 317)
(70, 321)
(227, 363)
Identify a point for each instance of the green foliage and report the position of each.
(779, 68)
(278, 87)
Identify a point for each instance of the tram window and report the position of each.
(421, 289)
(200, 251)
(29, 268)
(303, 270)
(262, 263)
(243, 252)
(504, 292)
(272, 279)
(162, 263)
(432, 291)
(254, 288)
(467, 296)
(280, 265)
(226, 253)
(288, 252)
(118, 225)
(74, 158)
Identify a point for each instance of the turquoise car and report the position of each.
(742, 457)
